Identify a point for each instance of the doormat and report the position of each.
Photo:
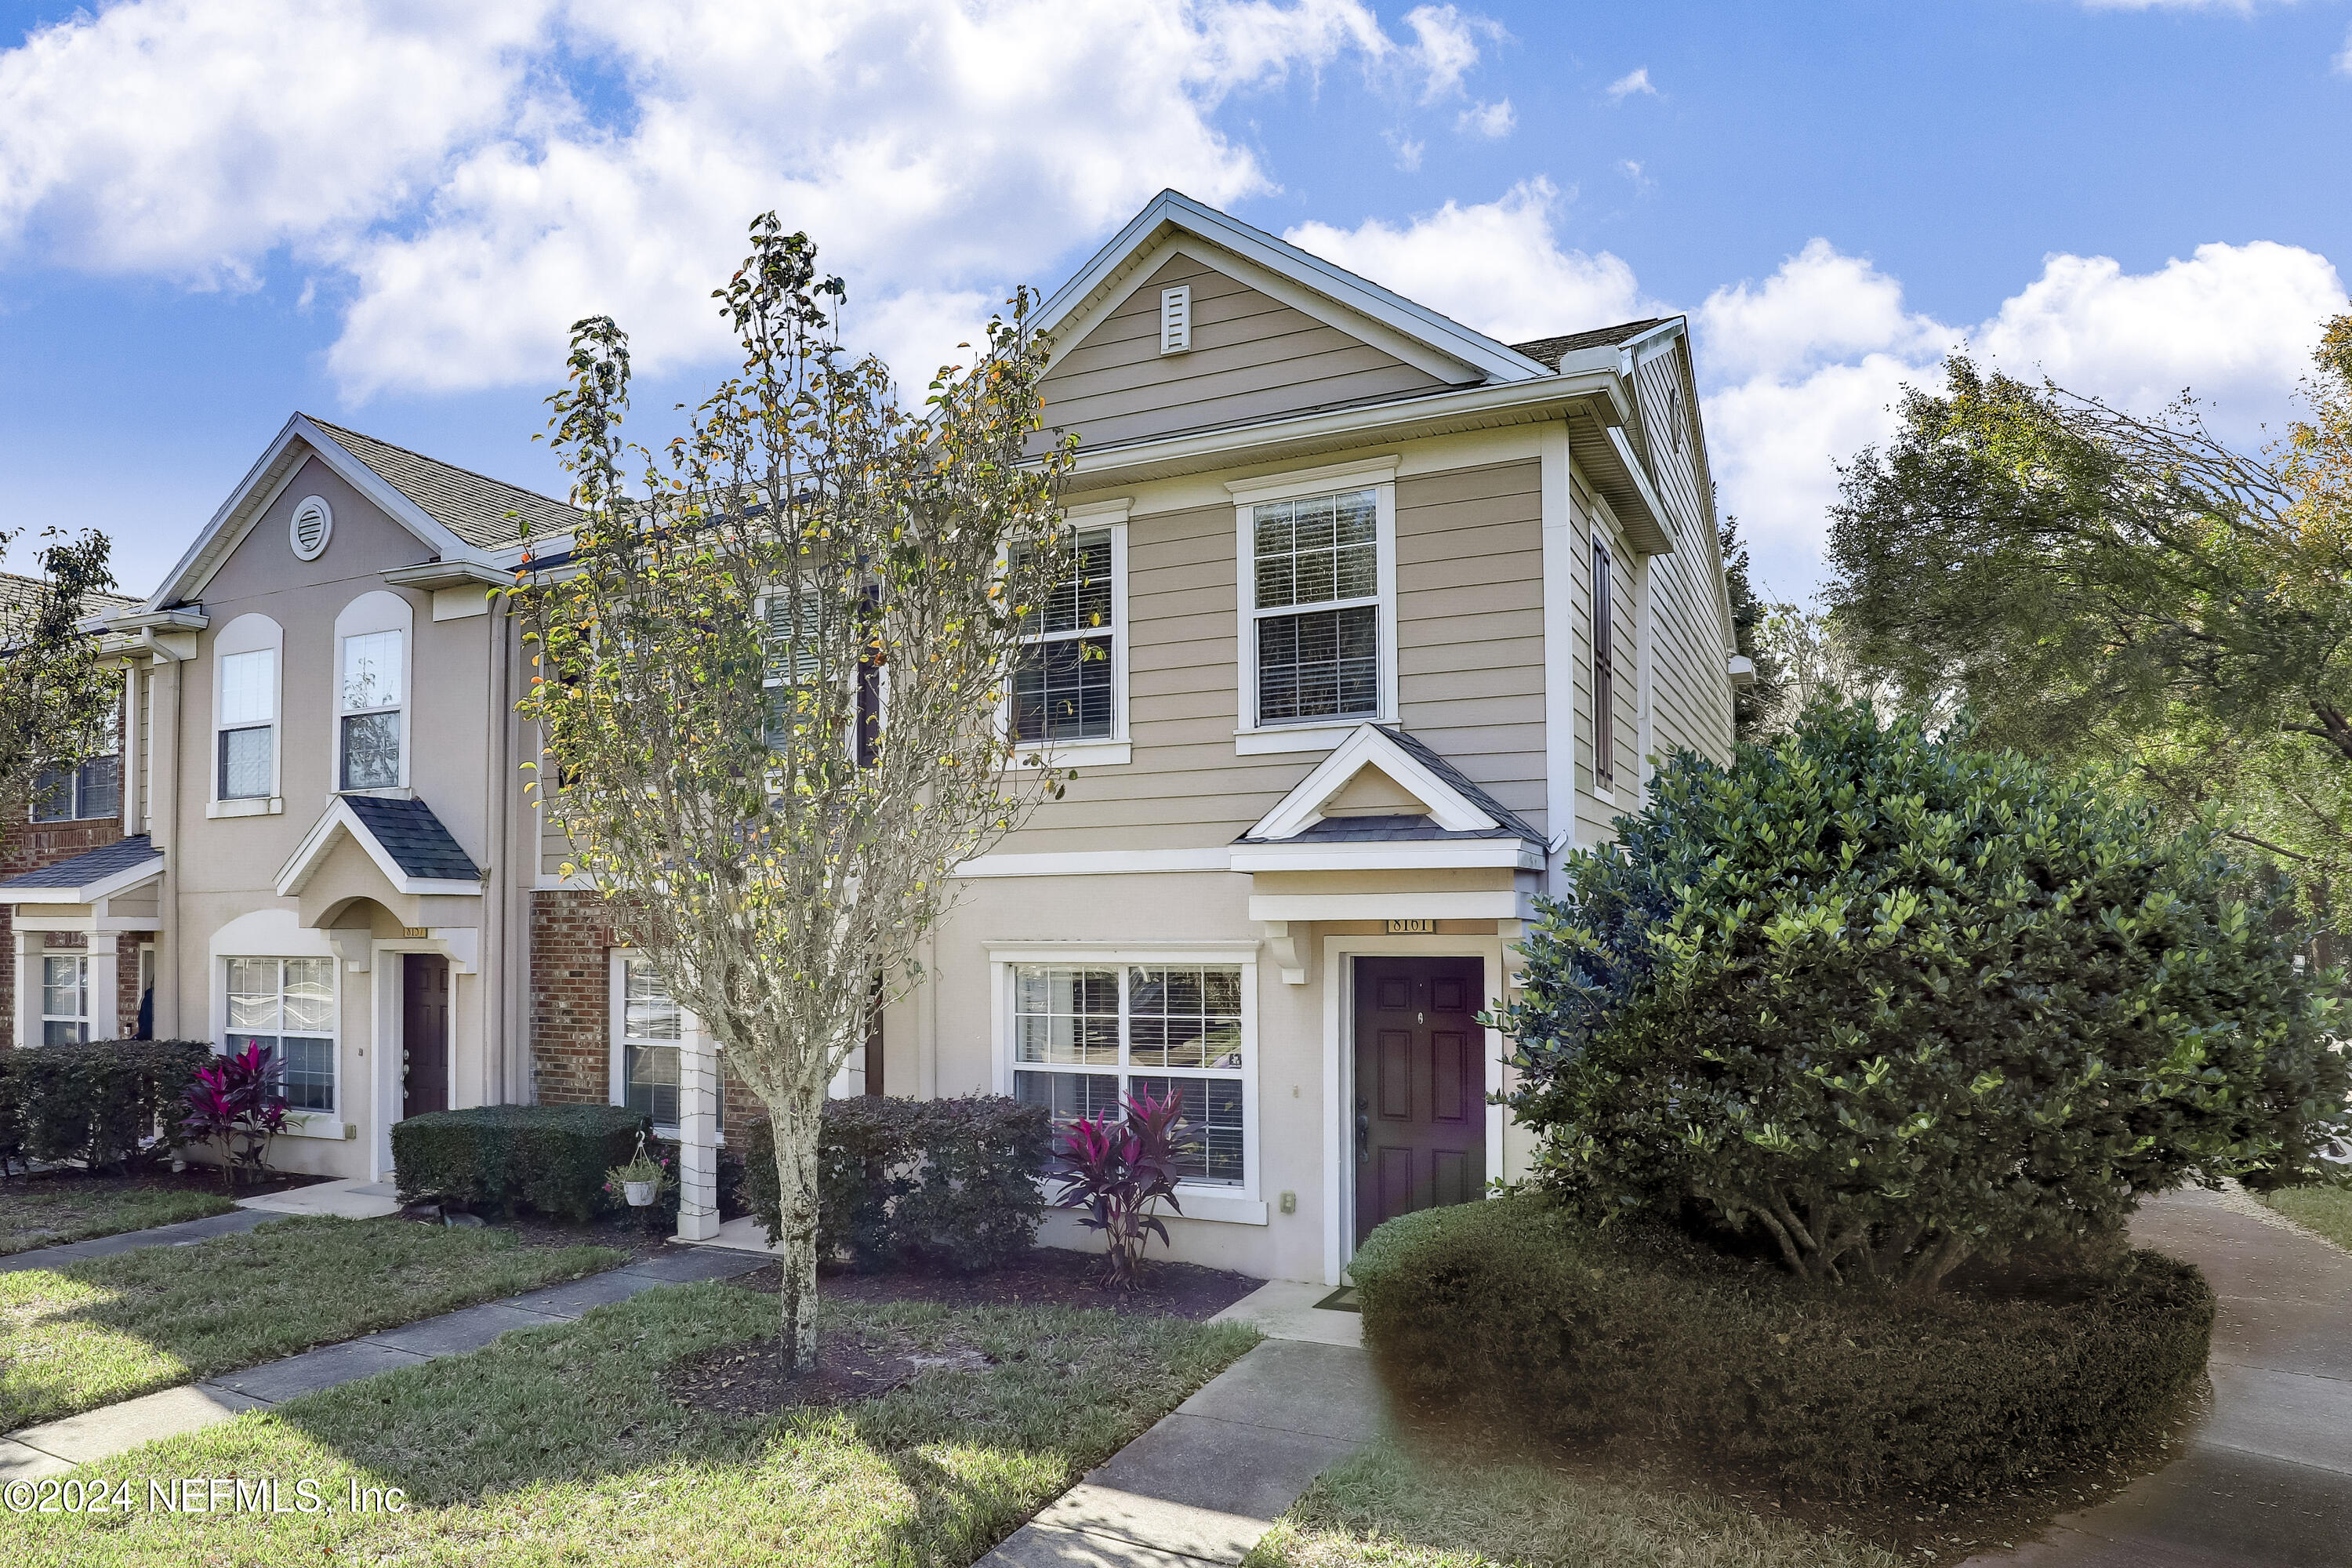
(1343, 1299)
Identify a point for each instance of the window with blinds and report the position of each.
(1063, 687)
(1316, 607)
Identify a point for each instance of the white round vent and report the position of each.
(313, 521)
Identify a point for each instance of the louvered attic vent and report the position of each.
(308, 529)
(1176, 319)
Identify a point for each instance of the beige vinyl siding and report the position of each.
(1253, 357)
(1690, 683)
(1470, 677)
(1593, 814)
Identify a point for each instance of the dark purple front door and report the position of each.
(1420, 1087)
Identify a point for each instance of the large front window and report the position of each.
(248, 721)
(1063, 687)
(648, 1043)
(287, 1006)
(68, 795)
(371, 710)
(1315, 593)
(65, 999)
(1085, 1036)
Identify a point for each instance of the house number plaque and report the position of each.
(1413, 928)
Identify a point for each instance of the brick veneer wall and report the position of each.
(28, 847)
(572, 1004)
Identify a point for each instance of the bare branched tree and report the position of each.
(772, 678)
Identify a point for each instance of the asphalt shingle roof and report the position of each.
(97, 865)
(413, 838)
(19, 592)
(1551, 350)
(472, 506)
(1397, 830)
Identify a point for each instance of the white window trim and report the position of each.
(1118, 748)
(306, 1121)
(616, 1014)
(249, 634)
(1215, 1204)
(84, 1016)
(1379, 476)
(375, 611)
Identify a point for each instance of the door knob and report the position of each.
(1364, 1129)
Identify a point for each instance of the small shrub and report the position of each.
(942, 1183)
(235, 1104)
(551, 1158)
(1891, 999)
(95, 1102)
(1114, 1171)
(1517, 1310)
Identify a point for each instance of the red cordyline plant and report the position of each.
(235, 1102)
(1114, 1169)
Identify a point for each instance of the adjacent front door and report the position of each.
(423, 1033)
(1420, 1087)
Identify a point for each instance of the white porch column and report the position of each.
(29, 945)
(697, 1134)
(105, 988)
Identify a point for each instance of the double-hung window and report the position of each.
(1085, 1035)
(68, 795)
(247, 723)
(1064, 686)
(1318, 578)
(287, 1006)
(645, 1038)
(1604, 679)
(65, 998)
(370, 704)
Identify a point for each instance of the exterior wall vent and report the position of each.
(1176, 319)
(313, 523)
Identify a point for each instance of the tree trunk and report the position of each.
(797, 1123)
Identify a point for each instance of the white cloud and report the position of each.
(1408, 151)
(433, 164)
(1636, 80)
(2344, 61)
(1496, 266)
(1492, 121)
(1632, 168)
(2239, 7)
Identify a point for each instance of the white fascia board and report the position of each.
(1475, 350)
(1657, 532)
(1498, 905)
(1375, 424)
(341, 818)
(107, 887)
(1405, 855)
(1122, 951)
(1303, 806)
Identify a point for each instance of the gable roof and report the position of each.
(414, 849)
(19, 592)
(101, 873)
(1551, 350)
(1459, 808)
(1321, 289)
(472, 506)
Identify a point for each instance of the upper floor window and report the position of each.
(65, 998)
(1317, 639)
(1604, 679)
(68, 795)
(1065, 688)
(248, 724)
(372, 687)
(287, 1006)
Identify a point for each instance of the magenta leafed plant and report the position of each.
(1114, 1169)
(235, 1102)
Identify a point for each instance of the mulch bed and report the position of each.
(1046, 1277)
(852, 1367)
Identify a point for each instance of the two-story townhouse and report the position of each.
(1380, 617)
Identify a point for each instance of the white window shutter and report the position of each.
(1176, 319)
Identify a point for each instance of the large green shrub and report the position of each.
(96, 1102)
(1894, 1000)
(551, 1158)
(1519, 1311)
(943, 1184)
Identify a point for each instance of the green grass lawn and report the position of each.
(1388, 1508)
(558, 1445)
(46, 1210)
(92, 1332)
(2325, 1210)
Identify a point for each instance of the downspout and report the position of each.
(497, 1010)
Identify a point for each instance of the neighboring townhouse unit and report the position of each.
(1375, 618)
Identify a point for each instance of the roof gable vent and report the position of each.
(312, 523)
(1176, 319)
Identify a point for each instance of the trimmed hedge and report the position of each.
(92, 1103)
(940, 1184)
(1513, 1309)
(551, 1158)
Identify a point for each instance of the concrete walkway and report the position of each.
(349, 1198)
(1211, 1478)
(185, 1233)
(2266, 1481)
(55, 1447)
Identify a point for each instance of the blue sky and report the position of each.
(211, 216)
